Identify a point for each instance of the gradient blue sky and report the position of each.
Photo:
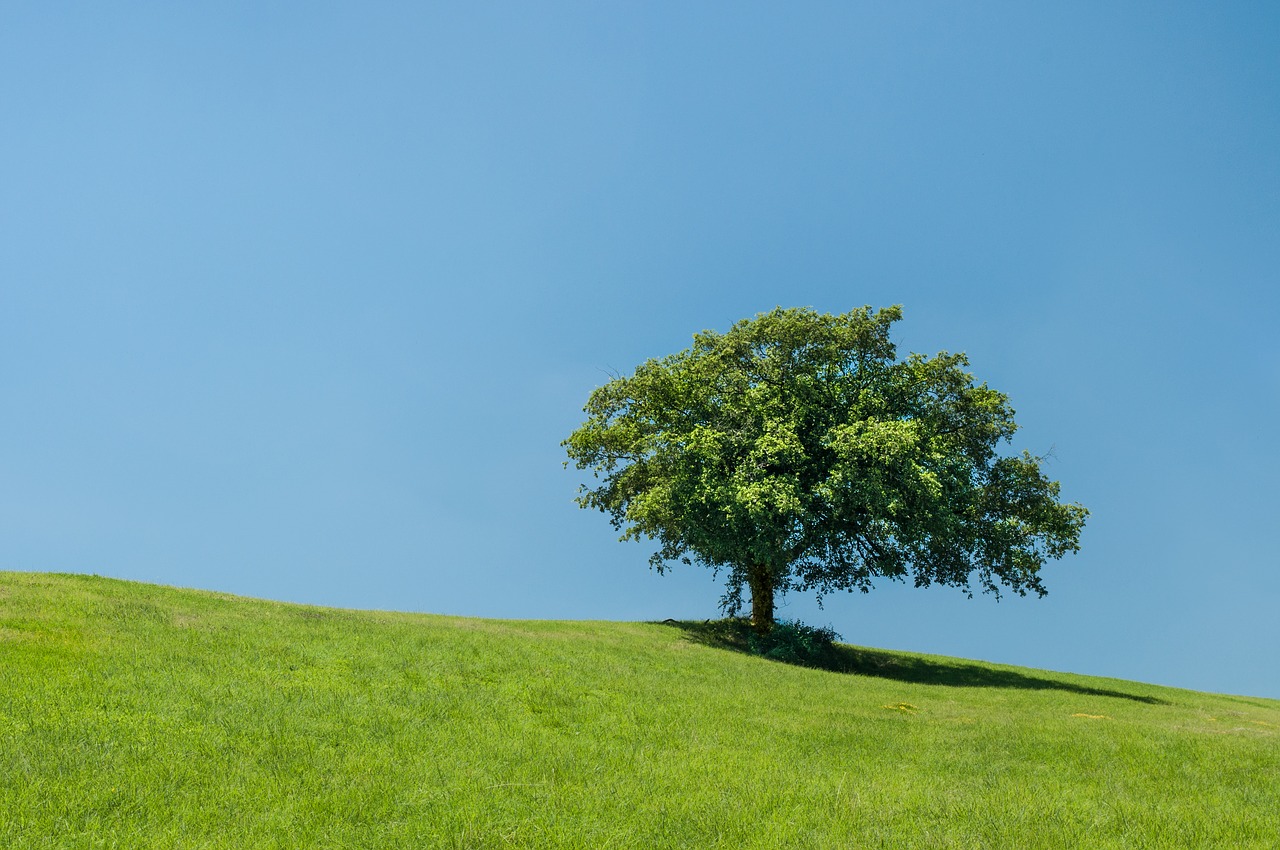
(298, 300)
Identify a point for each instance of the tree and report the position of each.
(797, 452)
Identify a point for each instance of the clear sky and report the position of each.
(298, 300)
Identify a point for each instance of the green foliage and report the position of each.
(794, 642)
(789, 641)
(140, 716)
(798, 452)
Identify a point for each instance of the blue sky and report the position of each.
(298, 300)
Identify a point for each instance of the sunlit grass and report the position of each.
(141, 716)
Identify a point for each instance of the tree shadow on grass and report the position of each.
(735, 635)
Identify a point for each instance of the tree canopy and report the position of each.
(796, 451)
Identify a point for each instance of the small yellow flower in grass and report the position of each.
(904, 707)
(1093, 716)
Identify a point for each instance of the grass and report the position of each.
(141, 716)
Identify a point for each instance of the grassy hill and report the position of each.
(137, 716)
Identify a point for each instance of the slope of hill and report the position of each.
(141, 716)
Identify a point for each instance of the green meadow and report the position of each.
(137, 716)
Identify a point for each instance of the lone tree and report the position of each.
(797, 452)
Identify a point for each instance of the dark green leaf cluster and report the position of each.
(796, 451)
(794, 642)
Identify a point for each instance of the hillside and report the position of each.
(141, 716)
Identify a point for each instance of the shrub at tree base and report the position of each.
(789, 641)
(794, 642)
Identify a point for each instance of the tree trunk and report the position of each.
(761, 582)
